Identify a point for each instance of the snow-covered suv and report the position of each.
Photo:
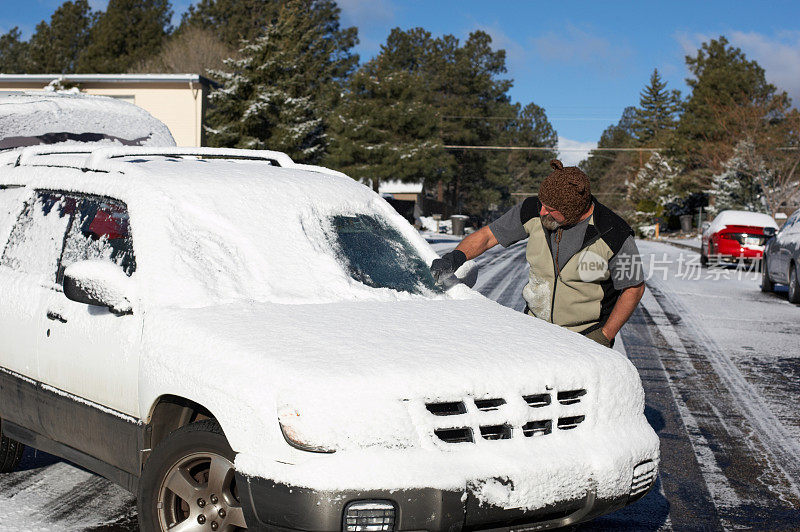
(247, 342)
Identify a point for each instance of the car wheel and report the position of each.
(10, 452)
(766, 283)
(188, 483)
(794, 285)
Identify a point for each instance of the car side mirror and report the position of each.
(769, 232)
(704, 226)
(101, 283)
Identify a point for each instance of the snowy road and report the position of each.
(720, 363)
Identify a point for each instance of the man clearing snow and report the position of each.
(585, 274)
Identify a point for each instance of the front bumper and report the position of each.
(562, 479)
(273, 506)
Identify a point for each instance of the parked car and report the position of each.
(782, 258)
(245, 342)
(735, 236)
(46, 117)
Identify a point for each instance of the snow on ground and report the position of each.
(758, 331)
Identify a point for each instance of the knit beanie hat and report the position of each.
(567, 191)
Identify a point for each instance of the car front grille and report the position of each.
(474, 419)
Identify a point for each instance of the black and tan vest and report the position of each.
(581, 296)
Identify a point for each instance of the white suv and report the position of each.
(247, 342)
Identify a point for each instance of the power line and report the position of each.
(545, 148)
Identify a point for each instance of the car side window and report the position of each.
(37, 238)
(100, 230)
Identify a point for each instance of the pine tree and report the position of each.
(232, 20)
(55, 47)
(738, 185)
(527, 169)
(13, 53)
(657, 109)
(652, 186)
(277, 94)
(724, 81)
(128, 32)
(385, 128)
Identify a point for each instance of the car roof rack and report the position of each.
(26, 154)
(95, 160)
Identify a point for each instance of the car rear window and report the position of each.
(377, 255)
(746, 239)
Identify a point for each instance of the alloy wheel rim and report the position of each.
(792, 283)
(199, 493)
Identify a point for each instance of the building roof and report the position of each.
(105, 78)
(398, 187)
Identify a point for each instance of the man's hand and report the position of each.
(448, 264)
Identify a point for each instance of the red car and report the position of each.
(735, 235)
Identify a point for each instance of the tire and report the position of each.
(10, 453)
(794, 285)
(766, 283)
(197, 462)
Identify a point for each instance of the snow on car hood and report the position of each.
(358, 374)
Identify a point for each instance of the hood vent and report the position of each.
(487, 405)
(537, 401)
(496, 432)
(537, 428)
(446, 409)
(567, 423)
(460, 435)
(504, 418)
(571, 397)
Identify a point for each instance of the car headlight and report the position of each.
(292, 429)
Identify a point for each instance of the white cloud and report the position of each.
(571, 152)
(576, 46)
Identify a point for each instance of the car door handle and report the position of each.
(51, 315)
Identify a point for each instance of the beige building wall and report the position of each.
(178, 105)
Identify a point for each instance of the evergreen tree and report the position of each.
(738, 186)
(13, 53)
(277, 94)
(652, 186)
(55, 47)
(471, 100)
(657, 109)
(527, 168)
(385, 129)
(724, 80)
(608, 171)
(232, 20)
(128, 32)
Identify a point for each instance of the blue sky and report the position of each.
(584, 62)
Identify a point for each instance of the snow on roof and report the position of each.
(104, 78)
(398, 187)
(33, 118)
(744, 218)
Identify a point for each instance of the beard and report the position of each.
(550, 223)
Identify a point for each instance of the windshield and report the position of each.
(378, 256)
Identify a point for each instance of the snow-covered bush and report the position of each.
(739, 185)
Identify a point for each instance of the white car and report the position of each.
(247, 342)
